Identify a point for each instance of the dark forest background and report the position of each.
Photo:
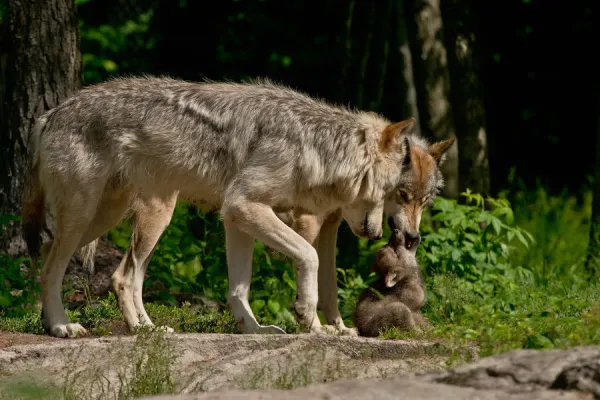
(535, 63)
(516, 81)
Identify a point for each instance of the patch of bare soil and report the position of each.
(8, 339)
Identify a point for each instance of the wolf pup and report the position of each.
(396, 298)
(137, 145)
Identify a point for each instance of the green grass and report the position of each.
(552, 305)
(484, 285)
(98, 319)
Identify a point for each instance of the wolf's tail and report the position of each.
(87, 254)
(33, 203)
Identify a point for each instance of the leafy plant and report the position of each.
(18, 289)
(473, 240)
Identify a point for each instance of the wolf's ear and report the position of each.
(438, 149)
(392, 132)
(406, 150)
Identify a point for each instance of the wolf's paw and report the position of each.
(349, 331)
(145, 327)
(324, 330)
(270, 329)
(305, 314)
(68, 330)
(164, 328)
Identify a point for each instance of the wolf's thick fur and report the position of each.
(398, 295)
(139, 144)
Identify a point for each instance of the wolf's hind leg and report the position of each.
(73, 215)
(328, 288)
(151, 217)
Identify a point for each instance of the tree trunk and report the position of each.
(40, 67)
(462, 34)
(406, 81)
(432, 81)
(593, 256)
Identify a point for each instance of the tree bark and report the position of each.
(462, 34)
(40, 67)
(432, 80)
(593, 256)
(406, 80)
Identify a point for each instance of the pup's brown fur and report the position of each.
(396, 298)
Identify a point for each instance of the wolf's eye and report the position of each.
(403, 195)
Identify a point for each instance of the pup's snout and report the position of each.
(411, 240)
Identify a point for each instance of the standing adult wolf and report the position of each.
(246, 149)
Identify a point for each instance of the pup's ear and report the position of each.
(438, 149)
(391, 134)
(390, 279)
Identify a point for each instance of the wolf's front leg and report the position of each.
(245, 220)
(239, 248)
(328, 289)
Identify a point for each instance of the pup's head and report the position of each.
(393, 260)
(420, 181)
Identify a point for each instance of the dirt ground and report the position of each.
(8, 339)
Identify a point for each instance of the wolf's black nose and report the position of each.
(411, 239)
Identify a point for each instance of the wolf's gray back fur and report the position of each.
(135, 127)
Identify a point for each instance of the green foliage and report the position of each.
(488, 280)
(196, 263)
(147, 368)
(474, 240)
(560, 225)
(17, 290)
(111, 48)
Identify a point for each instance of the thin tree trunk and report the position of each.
(348, 46)
(41, 66)
(460, 30)
(365, 57)
(376, 103)
(408, 91)
(432, 81)
(593, 256)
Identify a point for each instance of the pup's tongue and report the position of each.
(410, 244)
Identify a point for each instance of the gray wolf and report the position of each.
(395, 299)
(136, 145)
(420, 182)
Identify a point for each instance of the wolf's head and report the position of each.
(420, 181)
(405, 177)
